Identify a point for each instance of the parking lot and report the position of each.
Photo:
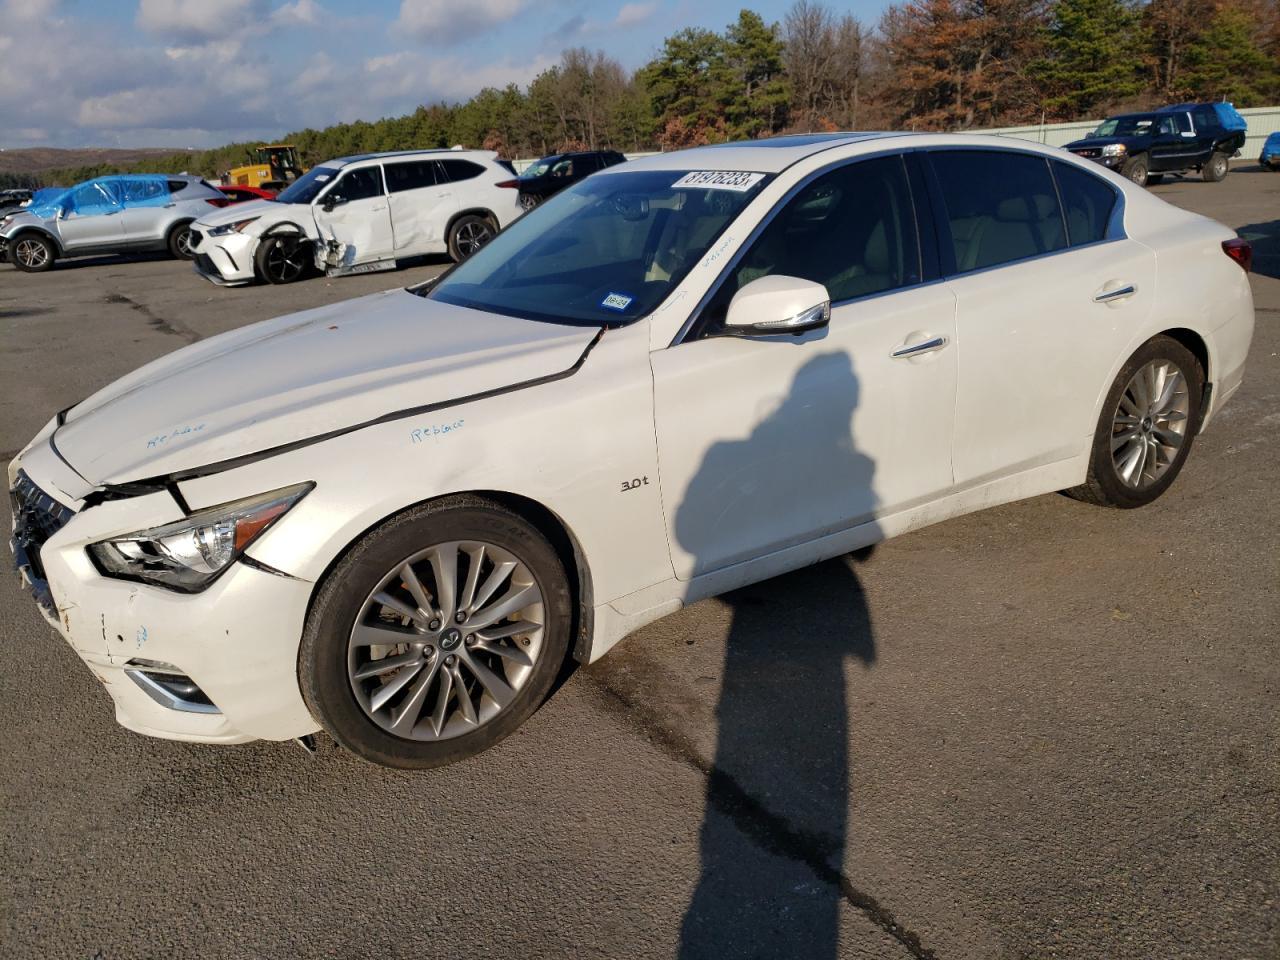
(1045, 730)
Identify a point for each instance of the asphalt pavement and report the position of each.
(1044, 730)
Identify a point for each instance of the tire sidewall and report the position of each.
(322, 659)
(1103, 465)
(1134, 165)
(175, 232)
(1216, 169)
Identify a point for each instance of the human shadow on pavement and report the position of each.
(775, 824)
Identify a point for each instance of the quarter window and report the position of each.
(1001, 206)
(1087, 202)
(410, 175)
(458, 170)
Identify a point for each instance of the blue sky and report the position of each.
(196, 73)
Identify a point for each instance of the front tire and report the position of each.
(32, 252)
(179, 242)
(1216, 169)
(1136, 169)
(1148, 423)
(437, 635)
(468, 234)
(283, 259)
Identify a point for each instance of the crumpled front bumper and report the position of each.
(219, 666)
(226, 260)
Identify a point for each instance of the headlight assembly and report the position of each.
(237, 227)
(190, 554)
(1114, 150)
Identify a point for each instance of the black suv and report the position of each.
(1146, 146)
(548, 176)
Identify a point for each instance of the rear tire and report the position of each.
(1147, 425)
(283, 259)
(1216, 169)
(32, 252)
(461, 676)
(468, 234)
(179, 242)
(1135, 169)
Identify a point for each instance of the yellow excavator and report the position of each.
(274, 167)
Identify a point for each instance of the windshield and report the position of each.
(308, 186)
(1126, 127)
(536, 169)
(606, 251)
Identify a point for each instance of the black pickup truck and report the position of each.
(1146, 146)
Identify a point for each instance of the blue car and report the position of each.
(1270, 156)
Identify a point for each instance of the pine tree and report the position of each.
(1094, 52)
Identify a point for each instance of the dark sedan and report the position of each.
(546, 177)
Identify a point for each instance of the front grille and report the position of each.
(36, 518)
(1091, 152)
(205, 265)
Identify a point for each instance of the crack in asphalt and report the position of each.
(158, 323)
(766, 829)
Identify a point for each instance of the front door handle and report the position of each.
(915, 349)
(1119, 293)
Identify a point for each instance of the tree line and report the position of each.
(926, 65)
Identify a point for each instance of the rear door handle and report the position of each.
(915, 349)
(1119, 293)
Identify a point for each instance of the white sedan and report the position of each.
(394, 518)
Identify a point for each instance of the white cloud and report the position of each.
(447, 21)
(197, 20)
(303, 13)
(632, 14)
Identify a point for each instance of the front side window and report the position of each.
(605, 251)
(93, 198)
(1001, 206)
(362, 184)
(410, 175)
(1087, 202)
(852, 230)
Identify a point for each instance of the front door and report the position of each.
(768, 443)
(354, 219)
(91, 218)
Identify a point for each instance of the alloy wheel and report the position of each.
(31, 253)
(446, 640)
(1150, 423)
(472, 236)
(185, 246)
(285, 260)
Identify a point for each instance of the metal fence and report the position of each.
(1261, 120)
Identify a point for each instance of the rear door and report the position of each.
(92, 217)
(1046, 301)
(421, 203)
(353, 213)
(148, 208)
(1208, 131)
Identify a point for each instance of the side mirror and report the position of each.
(331, 201)
(777, 304)
(63, 213)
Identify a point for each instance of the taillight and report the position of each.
(1241, 251)
(218, 201)
(513, 184)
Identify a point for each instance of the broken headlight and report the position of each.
(190, 554)
(226, 228)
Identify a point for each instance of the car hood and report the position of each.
(1104, 141)
(302, 376)
(251, 208)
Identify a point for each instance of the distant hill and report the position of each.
(28, 160)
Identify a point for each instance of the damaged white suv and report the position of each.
(361, 214)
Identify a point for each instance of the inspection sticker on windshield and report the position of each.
(617, 301)
(739, 181)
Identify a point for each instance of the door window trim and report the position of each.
(346, 171)
(686, 332)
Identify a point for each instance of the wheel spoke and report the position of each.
(1169, 394)
(1129, 462)
(517, 599)
(376, 668)
(442, 701)
(399, 606)
(384, 693)
(403, 722)
(512, 653)
(1170, 438)
(494, 685)
(382, 635)
(444, 563)
(513, 629)
(475, 559)
(495, 580)
(465, 705)
(419, 592)
(1122, 439)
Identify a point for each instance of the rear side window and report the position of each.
(458, 170)
(1087, 202)
(1205, 117)
(178, 185)
(410, 175)
(143, 191)
(1001, 206)
(359, 185)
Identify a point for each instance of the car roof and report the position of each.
(383, 155)
(771, 155)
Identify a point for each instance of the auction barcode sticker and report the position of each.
(739, 181)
